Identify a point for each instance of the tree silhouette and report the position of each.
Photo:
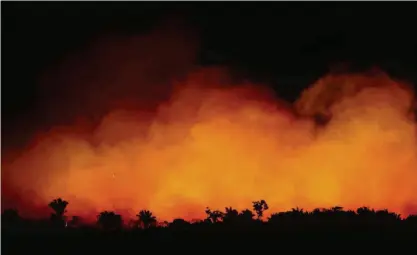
(297, 213)
(336, 209)
(231, 215)
(109, 220)
(384, 216)
(10, 218)
(365, 211)
(290, 217)
(214, 216)
(259, 207)
(246, 216)
(276, 218)
(59, 206)
(411, 220)
(365, 215)
(146, 219)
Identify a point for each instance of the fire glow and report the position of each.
(219, 142)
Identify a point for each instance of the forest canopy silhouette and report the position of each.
(141, 126)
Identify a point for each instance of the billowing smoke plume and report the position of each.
(174, 139)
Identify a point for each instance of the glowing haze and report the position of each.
(174, 139)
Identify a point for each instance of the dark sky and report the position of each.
(290, 44)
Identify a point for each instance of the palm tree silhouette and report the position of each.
(146, 219)
(59, 206)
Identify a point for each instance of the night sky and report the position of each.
(285, 45)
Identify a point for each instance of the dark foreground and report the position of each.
(297, 231)
(260, 237)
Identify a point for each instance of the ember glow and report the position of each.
(217, 142)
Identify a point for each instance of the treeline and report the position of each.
(228, 230)
(108, 220)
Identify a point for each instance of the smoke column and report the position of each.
(140, 127)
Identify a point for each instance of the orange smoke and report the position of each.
(219, 143)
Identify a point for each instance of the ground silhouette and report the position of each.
(296, 229)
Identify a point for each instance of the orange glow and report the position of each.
(217, 143)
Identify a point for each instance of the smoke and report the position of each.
(155, 132)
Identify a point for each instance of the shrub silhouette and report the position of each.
(75, 221)
(109, 221)
(179, 224)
